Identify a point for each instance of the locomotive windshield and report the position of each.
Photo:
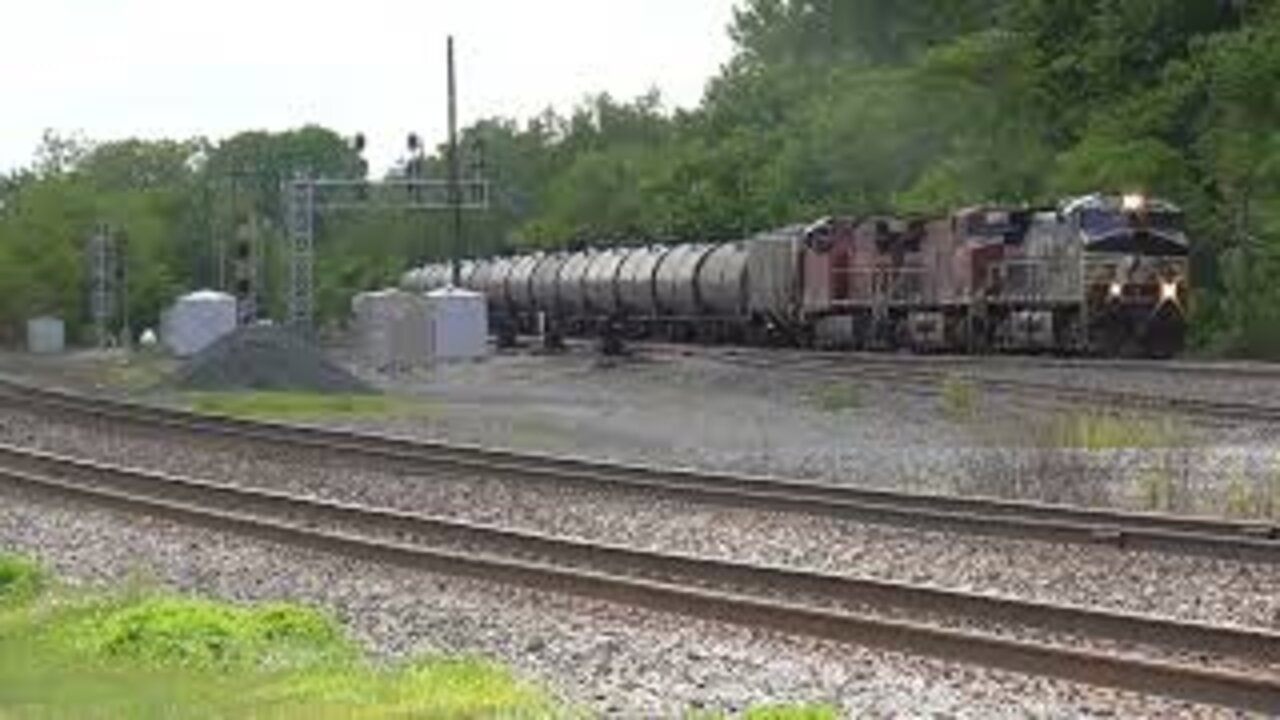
(1099, 222)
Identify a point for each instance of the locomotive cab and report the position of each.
(1135, 272)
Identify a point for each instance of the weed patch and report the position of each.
(1082, 459)
(173, 631)
(837, 397)
(959, 398)
(20, 580)
(1098, 431)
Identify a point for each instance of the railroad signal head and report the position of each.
(477, 157)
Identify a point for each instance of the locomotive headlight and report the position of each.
(1115, 289)
(1168, 290)
(1133, 202)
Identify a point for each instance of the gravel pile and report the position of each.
(616, 661)
(266, 357)
(1188, 588)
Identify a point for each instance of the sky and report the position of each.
(111, 69)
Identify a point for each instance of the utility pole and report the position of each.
(455, 191)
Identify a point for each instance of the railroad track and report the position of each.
(1203, 369)
(1232, 667)
(931, 373)
(1228, 539)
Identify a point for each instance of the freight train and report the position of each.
(1099, 274)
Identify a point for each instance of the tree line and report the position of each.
(826, 107)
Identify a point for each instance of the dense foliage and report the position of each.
(827, 106)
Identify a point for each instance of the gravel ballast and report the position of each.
(615, 660)
(1187, 588)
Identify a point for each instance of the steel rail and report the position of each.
(617, 575)
(1211, 369)
(888, 369)
(1246, 541)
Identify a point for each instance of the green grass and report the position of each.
(151, 655)
(837, 397)
(301, 405)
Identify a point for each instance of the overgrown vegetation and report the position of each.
(302, 405)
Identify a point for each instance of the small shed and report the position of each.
(394, 329)
(461, 324)
(46, 335)
(196, 320)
